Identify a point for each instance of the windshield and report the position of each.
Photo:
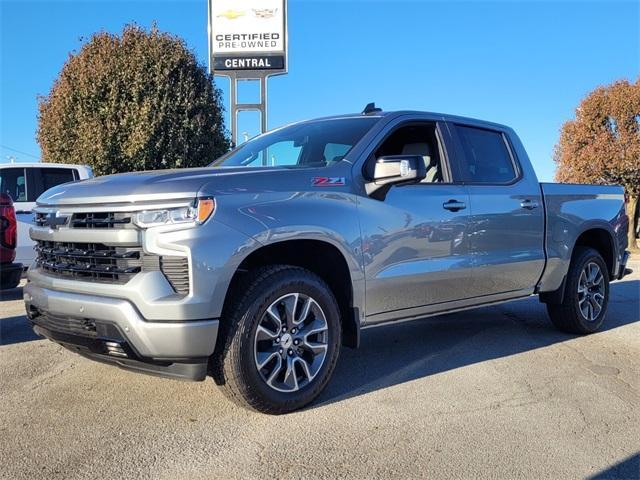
(318, 143)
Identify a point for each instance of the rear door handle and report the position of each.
(529, 204)
(454, 205)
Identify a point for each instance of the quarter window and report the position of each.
(486, 157)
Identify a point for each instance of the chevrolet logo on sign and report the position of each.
(231, 14)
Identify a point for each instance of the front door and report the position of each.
(415, 245)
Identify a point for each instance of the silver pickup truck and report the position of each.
(257, 269)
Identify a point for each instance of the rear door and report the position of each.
(506, 226)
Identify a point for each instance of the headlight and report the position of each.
(197, 213)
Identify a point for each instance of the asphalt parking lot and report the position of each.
(490, 393)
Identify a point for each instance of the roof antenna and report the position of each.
(371, 108)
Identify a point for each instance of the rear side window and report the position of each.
(486, 156)
(13, 182)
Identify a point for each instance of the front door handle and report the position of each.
(454, 205)
(529, 204)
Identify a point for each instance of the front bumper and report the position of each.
(112, 330)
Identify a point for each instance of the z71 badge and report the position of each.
(328, 181)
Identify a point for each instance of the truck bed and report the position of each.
(571, 209)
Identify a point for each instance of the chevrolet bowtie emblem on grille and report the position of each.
(231, 14)
(54, 219)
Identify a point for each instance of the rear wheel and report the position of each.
(281, 340)
(586, 294)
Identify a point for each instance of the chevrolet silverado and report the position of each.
(257, 269)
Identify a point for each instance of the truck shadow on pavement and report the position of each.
(14, 329)
(11, 294)
(395, 354)
(628, 469)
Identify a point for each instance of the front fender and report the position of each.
(268, 218)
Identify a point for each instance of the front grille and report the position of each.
(97, 262)
(100, 220)
(90, 220)
(176, 269)
(89, 261)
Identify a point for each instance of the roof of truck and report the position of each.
(433, 115)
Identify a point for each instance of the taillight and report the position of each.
(8, 225)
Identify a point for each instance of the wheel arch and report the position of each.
(601, 239)
(321, 257)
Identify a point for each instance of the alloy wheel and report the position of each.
(591, 291)
(291, 342)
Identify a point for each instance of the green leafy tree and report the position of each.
(602, 144)
(135, 101)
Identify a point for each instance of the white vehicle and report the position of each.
(24, 182)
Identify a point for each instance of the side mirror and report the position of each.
(396, 170)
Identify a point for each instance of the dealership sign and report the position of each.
(248, 35)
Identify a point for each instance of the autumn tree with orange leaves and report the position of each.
(602, 144)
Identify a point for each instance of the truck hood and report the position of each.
(156, 185)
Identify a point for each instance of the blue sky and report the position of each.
(526, 64)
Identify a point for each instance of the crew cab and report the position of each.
(257, 269)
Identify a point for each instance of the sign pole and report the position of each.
(247, 41)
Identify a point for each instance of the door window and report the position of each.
(486, 156)
(413, 139)
(13, 182)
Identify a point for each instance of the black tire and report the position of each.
(567, 316)
(233, 364)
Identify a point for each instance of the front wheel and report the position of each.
(586, 294)
(280, 342)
